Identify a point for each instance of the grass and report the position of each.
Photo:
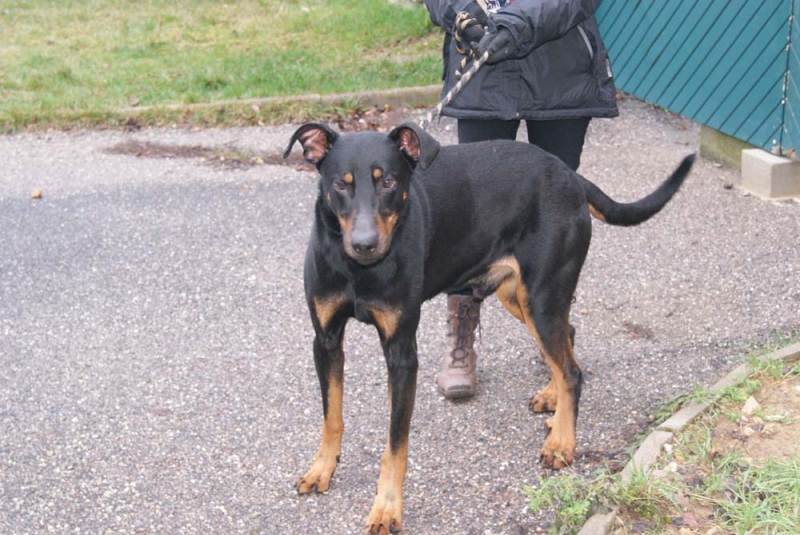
(742, 497)
(82, 61)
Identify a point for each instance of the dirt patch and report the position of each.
(232, 158)
(373, 119)
(772, 431)
(637, 331)
(766, 427)
(225, 157)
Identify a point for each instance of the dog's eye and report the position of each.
(339, 185)
(388, 182)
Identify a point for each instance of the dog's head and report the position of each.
(365, 180)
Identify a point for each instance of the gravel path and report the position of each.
(155, 351)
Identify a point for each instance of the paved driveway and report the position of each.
(155, 363)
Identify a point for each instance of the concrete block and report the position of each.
(683, 417)
(733, 378)
(646, 455)
(787, 354)
(599, 524)
(770, 176)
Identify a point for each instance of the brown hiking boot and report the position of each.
(457, 372)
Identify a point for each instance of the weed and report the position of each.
(572, 498)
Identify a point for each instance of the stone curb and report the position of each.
(647, 453)
(411, 97)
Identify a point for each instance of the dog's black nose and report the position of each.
(365, 242)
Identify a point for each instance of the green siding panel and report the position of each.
(790, 132)
(701, 67)
(689, 55)
(719, 62)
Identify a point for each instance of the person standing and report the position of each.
(547, 66)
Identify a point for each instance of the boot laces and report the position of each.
(469, 320)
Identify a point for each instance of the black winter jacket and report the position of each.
(559, 69)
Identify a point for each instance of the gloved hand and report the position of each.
(499, 44)
(474, 10)
(468, 32)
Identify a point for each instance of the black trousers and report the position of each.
(563, 138)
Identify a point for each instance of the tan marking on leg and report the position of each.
(507, 291)
(559, 446)
(386, 515)
(319, 476)
(326, 307)
(386, 319)
(503, 275)
(596, 213)
(501, 270)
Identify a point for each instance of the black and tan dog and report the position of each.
(400, 219)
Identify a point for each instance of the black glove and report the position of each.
(475, 10)
(468, 32)
(500, 45)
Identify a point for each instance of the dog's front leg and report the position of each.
(329, 361)
(401, 360)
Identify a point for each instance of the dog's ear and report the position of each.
(419, 145)
(316, 139)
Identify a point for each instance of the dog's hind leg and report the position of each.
(546, 400)
(398, 337)
(547, 297)
(329, 362)
(563, 391)
(547, 283)
(552, 332)
(511, 293)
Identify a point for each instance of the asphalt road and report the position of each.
(155, 351)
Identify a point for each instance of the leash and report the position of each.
(435, 112)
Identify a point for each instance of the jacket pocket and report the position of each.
(586, 41)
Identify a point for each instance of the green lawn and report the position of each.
(80, 61)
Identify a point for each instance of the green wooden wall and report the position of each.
(728, 64)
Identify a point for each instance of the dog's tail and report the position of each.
(608, 210)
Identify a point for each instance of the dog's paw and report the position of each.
(558, 450)
(385, 517)
(539, 403)
(382, 529)
(544, 401)
(318, 478)
(555, 460)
